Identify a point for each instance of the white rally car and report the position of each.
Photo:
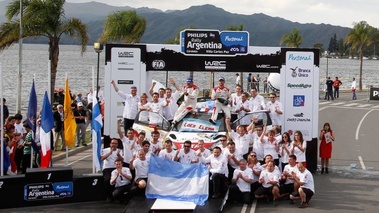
(193, 127)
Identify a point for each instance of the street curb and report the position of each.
(71, 152)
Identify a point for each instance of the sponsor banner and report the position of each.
(197, 125)
(374, 93)
(299, 98)
(214, 42)
(47, 191)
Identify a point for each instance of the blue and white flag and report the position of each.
(175, 181)
(32, 114)
(97, 123)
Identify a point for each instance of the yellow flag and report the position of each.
(69, 119)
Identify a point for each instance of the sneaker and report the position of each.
(275, 202)
(302, 205)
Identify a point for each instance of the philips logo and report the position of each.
(158, 64)
(215, 65)
(125, 54)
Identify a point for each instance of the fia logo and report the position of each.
(294, 73)
(158, 64)
(298, 100)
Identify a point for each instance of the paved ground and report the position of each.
(345, 189)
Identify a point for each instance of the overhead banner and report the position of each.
(214, 42)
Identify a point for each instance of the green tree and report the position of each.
(319, 46)
(126, 26)
(44, 18)
(341, 47)
(235, 28)
(292, 39)
(359, 38)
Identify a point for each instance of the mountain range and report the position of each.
(162, 25)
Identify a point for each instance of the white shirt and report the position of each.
(256, 167)
(269, 176)
(218, 92)
(206, 153)
(289, 169)
(242, 142)
(187, 158)
(169, 155)
(128, 153)
(141, 167)
(170, 108)
(300, 156)
(246, 105)
(307, 178)
(257, 103)
(235, 100)
(218, 164)
(131, 105)
(238, 80)
(121, 180)
(156, 109)
(258, 147)
(275, 117)
(144, 115)
(101, 95)
(109, 161)
(269, 148)
(155, 146)
(90, 98)
(354, 85)
(283, 153)
(242, 184)
(19, 128)
(237, 154)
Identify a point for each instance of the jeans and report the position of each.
(336, 92)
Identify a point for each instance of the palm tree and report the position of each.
(359, 38)
(125, 25)
(44, 18)
(293, 39)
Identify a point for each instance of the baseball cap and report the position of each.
(221, 78)
(189, 80)
(80, 104)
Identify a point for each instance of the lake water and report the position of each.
(79, 72)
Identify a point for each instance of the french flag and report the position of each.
(47, 124)
(182, 182)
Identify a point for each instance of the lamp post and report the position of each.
(327, 63)
(98, 48)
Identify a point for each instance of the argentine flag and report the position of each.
(175, 181)
(97, 123)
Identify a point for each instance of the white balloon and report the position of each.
(273, 81)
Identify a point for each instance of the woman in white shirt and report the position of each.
(299, 146)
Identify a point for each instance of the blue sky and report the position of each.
(335, 12)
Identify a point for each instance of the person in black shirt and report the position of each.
(329, 89)
(80, 119)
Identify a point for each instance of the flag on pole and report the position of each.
(32, 114)
(47, 124)
(182, 182)
(97, 123)
(69, 119)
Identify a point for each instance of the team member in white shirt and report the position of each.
(109, 156)
(276, 110)
(168, 152)
(257, 101)
(269, 179)
(169, 104)
(155, 143)
(186, 154)
(155, 109)
(234, 156)
(255, 144)
(242, 108)
(220, 93)
(218, 169)
(236, 97)
(131, 105)
(288, 186)
(121, 178)
(242, 178)
(304, 179)
(161, 92)
(126, 143)
(241, 138)
(141, 167)
(204, 152)
(299, 147)
(270, 145)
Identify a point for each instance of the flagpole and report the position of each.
(51, 102)
(66, 163)
(2, 122)
(33, 135)
(93, 104)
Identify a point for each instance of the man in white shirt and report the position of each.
(269, 178)
(168, 152)
(127, 142)
(109, 156)
(202, 150)
(186, 154)
(221, 98)
(304, 179)
(131, 105)
(257, 101)
(242, 178)
(169, 104)
(240, 137)
(141, 167)
(238, 79)
(121, 178)
(276, 110)
(189, 94)
(156, 110)
(218, 170)
(234, 156)
(242, 108)
(353, 88)
(288, 186)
